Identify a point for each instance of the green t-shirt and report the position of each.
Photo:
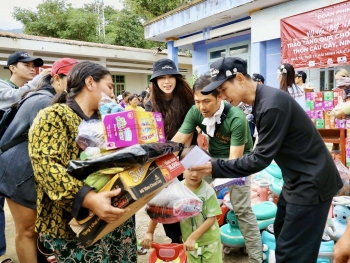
(210, 208)
(13, 85)
(234, 131)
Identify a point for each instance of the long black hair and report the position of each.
(76, 79)
(175, 110)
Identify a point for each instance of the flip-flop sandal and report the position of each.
(5, 259)
(140, 251)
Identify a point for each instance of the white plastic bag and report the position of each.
(90, 134)
(173, 204)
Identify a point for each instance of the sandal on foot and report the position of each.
(140, 251)
(5, 259)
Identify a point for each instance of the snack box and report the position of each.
(310, 105)
(139, 185)
(319, 105)
(310, 96)
(127, 128)
(327, 95)
(318, 96)
(319, 123)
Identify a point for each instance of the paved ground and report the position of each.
(141, 227)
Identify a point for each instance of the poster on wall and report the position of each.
(317, 39)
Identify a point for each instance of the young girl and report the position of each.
(133, 103)
(60, 196)
(202, 229)
(286, 77)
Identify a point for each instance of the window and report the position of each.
(240, 49)
(234, 51)
(217, 54)
(119, 84)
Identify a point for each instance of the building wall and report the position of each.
(200, 57)
(134, 82)
(4, 73)
(272, 61)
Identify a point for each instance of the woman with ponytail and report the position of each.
(61, 196)
(16, 173)
(286, 78)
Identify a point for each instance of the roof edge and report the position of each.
(177, 10)
(79, 43)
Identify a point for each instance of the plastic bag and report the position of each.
(344, 175)
(107, 105)
(90, 134)
(174, 204)
(127, 157)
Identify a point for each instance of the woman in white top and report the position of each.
(286, 77)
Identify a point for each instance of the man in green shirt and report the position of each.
(230, 140)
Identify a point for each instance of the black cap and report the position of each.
(163, 67)
(301, 74)
(224, 69)
(143, 94)
(22, 56)
(258, 78)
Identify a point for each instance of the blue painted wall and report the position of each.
(265, 57)
(272, 61)
(200, 52)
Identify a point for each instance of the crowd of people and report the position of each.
(40, 141)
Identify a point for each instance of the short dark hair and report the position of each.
(131, 97)
(301, 74)
(125, 94)
(202, 82)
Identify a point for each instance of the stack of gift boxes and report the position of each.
(319, 106)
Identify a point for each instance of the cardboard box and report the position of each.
(328, 105)
(319, 114)
(127, 128)
(318, 96)
(340, 123)
(310, 96)
(139, 185)
(310, 105)
(339, 93)
(319, 105)
(319, 123)
(327, 95)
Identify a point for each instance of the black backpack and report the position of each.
(6, 117)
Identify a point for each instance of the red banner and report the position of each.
(317, 39)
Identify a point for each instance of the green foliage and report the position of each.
(125, 28)
(57, 18)
(148, 9)
(193, 79)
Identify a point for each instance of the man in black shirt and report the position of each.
(288, 136)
